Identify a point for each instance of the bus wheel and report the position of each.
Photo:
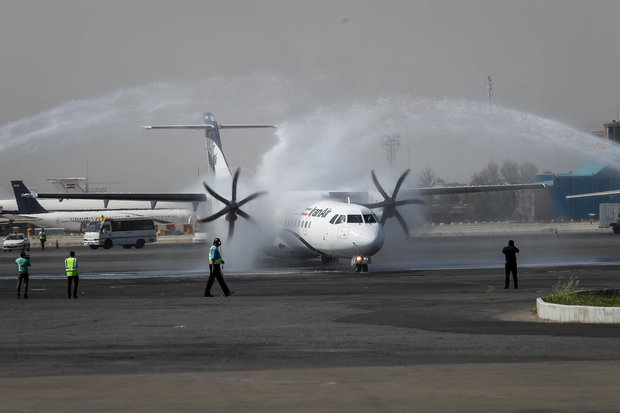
(140, 243)
(126, 246)
(93, 247)
(107, 244)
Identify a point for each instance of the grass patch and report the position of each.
(565, 292)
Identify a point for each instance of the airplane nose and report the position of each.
(369, 242)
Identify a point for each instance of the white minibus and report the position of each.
(128, 232)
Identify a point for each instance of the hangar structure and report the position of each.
(590, 177)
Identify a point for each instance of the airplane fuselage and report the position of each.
(74, 221)
(329, 229)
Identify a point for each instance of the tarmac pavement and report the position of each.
(426, 339)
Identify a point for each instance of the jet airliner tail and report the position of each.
(26, 205)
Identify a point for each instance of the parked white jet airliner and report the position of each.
(330, 226)
(29, 210)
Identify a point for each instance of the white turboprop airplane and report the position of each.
(329, 226)
(73, 220)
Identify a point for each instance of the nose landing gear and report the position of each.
(361, 263)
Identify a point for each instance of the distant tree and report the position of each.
(490, 175)
(528, 172)
(510, 172)
(427, 177)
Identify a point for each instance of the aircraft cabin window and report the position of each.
(370, 219)
(355, 219)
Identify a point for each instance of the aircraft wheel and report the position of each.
(364, 267)
(358, 267)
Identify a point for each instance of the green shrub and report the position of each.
(565, 292)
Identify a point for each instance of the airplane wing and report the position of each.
(106, 197)
(593, 194)
(469, 189)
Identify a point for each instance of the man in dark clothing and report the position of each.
(510, 252)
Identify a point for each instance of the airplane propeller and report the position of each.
(390, 204)
(232, 208)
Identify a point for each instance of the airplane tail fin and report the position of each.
(25, 205)
(218, 165)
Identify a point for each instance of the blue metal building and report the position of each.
(591, 177)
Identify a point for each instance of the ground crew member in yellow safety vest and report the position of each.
(71, 266)
(42, 238)
(215, 270)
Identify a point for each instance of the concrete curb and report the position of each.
(577, 313)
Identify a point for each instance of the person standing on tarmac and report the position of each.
(215, 270)
(23, 262)
(510, 252)
(71, 267)
(42, 238)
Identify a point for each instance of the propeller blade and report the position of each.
(409, 202)
(375, 205)
(378, 185)
(216, 195)
(384, 217)
(389, 203)
(251, 197)
(232, 207)
(402, 223)
(400, 182)
(231, 228)
(244, 215)
(234, 185)
(215, 216)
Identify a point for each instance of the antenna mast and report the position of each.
(490, 87)
(391, 143)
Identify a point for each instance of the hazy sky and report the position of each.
(555, 59)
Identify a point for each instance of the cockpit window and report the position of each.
(354, 219)
(370, 219)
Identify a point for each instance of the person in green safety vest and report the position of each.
(71, 267)
(42, 238)
(215, 270)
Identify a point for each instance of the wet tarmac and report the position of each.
(432, 337)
